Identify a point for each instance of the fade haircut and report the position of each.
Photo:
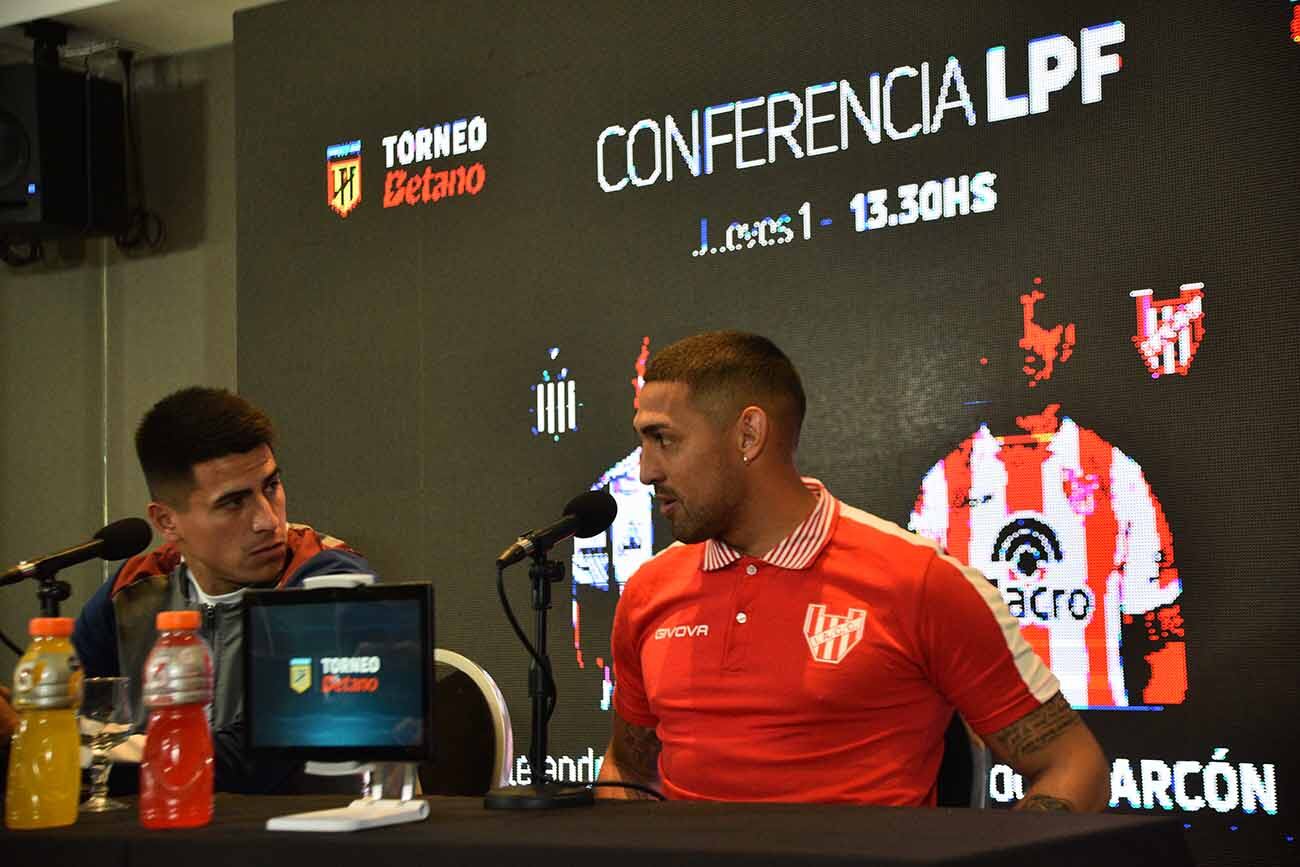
(192, 426)
(729, 370)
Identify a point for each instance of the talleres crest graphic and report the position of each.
(1067, 528)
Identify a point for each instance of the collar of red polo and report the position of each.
(796, 551)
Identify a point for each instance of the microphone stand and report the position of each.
(544, 793)
(51, 591)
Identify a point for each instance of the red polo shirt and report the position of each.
(826, 670)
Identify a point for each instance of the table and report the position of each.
(623, 834)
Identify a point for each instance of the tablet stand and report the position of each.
(373, 810)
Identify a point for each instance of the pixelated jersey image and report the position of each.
(603, 563)
(1067, 528)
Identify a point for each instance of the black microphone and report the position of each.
(585, 515)
(117, 541)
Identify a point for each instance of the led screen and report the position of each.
(1035, 264)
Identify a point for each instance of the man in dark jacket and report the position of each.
(218, 502)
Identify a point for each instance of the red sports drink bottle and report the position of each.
(176, 771)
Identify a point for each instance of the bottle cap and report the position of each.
(50, 626)
(169, 620)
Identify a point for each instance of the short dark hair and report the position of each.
(734, 369)
(192, 426)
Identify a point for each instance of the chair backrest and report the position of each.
(474, 747)
(963, 779)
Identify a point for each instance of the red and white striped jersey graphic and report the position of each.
(1066, 527)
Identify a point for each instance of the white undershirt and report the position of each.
(223, 599)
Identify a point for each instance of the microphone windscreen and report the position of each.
(125, 538)
(595, 511)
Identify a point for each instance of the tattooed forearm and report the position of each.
(1037, 729)
(1046, 803)
(632, 757)
(636, 750)
(1063, 766)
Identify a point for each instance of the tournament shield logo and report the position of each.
(300, 675)
(831, 636)
(343, 176)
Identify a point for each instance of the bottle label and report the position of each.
(178, 675)
(47, 680)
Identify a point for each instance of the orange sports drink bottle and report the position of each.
(176, 770)
(45, 756)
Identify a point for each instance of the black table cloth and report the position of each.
(613, 834)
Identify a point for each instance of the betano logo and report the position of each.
(338, 671)
(426, 144)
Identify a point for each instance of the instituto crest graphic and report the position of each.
(832, 636)
(300, 674)
(1169, 332)
(343, 176)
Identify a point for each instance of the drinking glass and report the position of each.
(105, 722)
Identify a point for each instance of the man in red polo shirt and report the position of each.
(793, 648)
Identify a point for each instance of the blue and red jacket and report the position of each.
(115, 632)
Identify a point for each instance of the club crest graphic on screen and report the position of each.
(1067, 528)
(343, 176)
(556, 398)
(1170, 331)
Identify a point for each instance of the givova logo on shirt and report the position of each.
(683, 631)
(832, 636)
